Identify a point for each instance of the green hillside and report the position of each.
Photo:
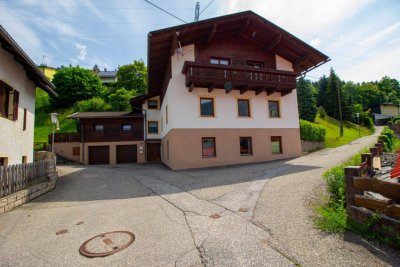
(43, 126)
(350, 131)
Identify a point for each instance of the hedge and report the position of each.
(311, 131)
(388, 137)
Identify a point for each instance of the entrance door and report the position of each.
(99, 155)
(153, 152)
(126, 154)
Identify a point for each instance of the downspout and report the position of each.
(83, 144)
(144, 113)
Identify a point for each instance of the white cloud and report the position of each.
(301, 16)
(82, 51)
(315, 42)
(381, 34)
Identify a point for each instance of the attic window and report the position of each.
(152, 104)
(220, 61)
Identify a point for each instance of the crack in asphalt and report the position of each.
(201, 250)
(201, 255)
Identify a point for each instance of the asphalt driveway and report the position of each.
(250, 215)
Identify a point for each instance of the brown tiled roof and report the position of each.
(105, 114)
(32, 71)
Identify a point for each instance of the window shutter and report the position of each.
(2, 100)
(16, 101)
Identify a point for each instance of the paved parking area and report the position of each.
(249, 215)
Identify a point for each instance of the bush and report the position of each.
(321, 112)
(120, 100)
(311, 132)
(388, 137)
(369, 123)
(93, 104)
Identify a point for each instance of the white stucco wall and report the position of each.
(184, 111)
(14, 142)
(153, 115)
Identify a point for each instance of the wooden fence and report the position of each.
(17, 177)
(361, 207)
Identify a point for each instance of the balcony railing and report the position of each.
(104, 136)
(216, 76)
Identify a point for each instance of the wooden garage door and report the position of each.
(99, 155)
(126, 154)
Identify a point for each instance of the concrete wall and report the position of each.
(184, 149)
(66, 149)
(113, 150)
(14, 142)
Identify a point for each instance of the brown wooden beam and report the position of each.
(259, 90)
(191, 86)
(211, 87)
(244, 89)
(270, 91)
(211, 34)
(285, 92)
(301, 60)
(273, 43)
(174, 44)
(243, 27)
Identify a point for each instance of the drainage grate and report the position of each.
(106, 244)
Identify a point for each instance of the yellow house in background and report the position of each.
(48, 71)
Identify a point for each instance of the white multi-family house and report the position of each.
(222, 91)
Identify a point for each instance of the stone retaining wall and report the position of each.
(16, 199)
(309, 146)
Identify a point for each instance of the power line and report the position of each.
(206, 6)
(165, 11)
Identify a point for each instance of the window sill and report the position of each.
(209, 157)
(246, 155)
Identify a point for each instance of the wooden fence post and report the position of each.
(368, 158)
(379, 146)
(350, 172)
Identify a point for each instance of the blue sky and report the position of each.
(362, 37)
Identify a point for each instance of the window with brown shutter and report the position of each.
(25, 114)
(15, 106)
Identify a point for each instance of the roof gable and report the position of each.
(32, 71)
(247, 25)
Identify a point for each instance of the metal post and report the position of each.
(340, 112)
(358, 123)
(52, 138)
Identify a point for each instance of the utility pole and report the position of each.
(358, 123)
(197, 12)
(340, 111)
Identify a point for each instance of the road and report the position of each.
(248, 215)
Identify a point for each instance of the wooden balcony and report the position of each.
(241, 78)
(92, 136)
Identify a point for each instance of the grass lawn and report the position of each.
(43, 126)
(350, 131)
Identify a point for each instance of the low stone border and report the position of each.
(310, 146)
(16, 199)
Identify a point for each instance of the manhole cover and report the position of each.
(106, 244)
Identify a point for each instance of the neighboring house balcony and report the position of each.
(110, 135)
(241, 78)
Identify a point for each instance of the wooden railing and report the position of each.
(361, 207)
(65, 137)
(93, 136)
(204, 74)
(17, 177)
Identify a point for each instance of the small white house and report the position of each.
(19, 78)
